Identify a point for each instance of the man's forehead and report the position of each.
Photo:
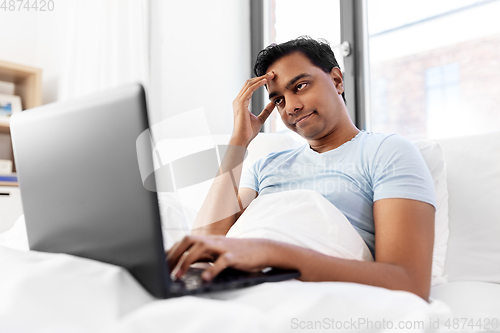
(288, 69)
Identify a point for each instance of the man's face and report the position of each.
(308, 99)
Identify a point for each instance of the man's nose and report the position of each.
(293, 105)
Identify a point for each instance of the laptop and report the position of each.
(82, 191)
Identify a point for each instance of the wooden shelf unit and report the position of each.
(27, 85)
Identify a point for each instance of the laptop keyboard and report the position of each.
(192, 283)
(192, 278)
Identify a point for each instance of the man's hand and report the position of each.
(244, 254)
(246, 124)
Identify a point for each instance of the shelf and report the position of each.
(9, 183)
(28, 86)
(27, 81)
(4, 125)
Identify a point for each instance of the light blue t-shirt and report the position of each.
(370, 167)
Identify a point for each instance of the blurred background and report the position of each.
(430, 67)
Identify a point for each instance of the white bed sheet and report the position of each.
(284, 307)
(43, 292)
(62, 293)
(471, 299)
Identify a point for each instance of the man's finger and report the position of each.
(174, 254)
(222, 262)
(267, 76)
(253, 84)
(196, 252)
(247, 95)
(266, 112)
(172, 248)
(248, 83)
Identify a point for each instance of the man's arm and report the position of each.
(223, 205)
(224, 202)
(404, 238)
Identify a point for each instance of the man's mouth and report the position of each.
(302, 118)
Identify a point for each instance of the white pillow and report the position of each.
(266, 143)
(473, 166)
(193, 196)
(433, 157)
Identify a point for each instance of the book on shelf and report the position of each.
(8, 180)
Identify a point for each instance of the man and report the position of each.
(390, 198)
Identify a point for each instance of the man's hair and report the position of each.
(318, 52)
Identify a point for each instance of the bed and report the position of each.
(42, 292)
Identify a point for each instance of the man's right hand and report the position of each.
(246, 124)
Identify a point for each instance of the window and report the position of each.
(442, 96)
(422, 68)
(434, 68)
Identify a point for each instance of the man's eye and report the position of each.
(278, 101)
(301, 86)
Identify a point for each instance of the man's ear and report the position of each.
(336, 76)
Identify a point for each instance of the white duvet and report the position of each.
(304, 218)
(42, 292)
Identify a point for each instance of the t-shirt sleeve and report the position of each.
(399, 171)
(252, 175)
(249, 176)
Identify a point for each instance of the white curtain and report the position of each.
(106, 45)
(187, 54)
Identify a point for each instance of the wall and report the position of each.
(34, 39)
(201, 57)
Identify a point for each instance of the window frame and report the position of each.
(356, 72)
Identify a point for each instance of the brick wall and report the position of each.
(400, 84)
